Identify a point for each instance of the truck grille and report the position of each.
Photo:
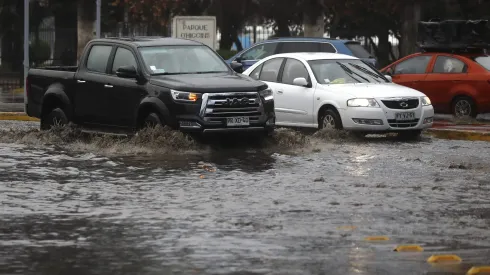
(217, 107)
(403, 124)
(402, 104)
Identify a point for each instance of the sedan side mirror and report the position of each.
(127, 72)
(237, 67)
(390, 79)
(300, 81)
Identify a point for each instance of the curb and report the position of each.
(453, 134)
(16, 116)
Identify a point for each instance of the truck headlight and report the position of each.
(426, 101)
(362, 102)
(267, 94)
(185, 96)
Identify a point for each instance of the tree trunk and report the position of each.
(384, 48)
(85, 24)
(65, 24)
(410, 18)
(282, 28)
(314, 26)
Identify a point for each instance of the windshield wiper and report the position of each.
(167, 73)
(210, 72)
(350, 72)
(364, 70)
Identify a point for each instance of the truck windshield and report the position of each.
(161, 60)
(344, 71)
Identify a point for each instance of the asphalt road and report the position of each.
(158, 203)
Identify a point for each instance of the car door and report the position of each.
(256, 53)
(410, 72)
(90, 97)
(448, 72)
(268, 72)
(124, 94)
(296, 102)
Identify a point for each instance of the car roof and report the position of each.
(308, 56)
(310, 39)
(145, 41)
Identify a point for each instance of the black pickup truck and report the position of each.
(129, 83)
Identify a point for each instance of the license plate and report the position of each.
(405, 116)
(237, 121)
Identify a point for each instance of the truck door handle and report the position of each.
(108, 86)
(280, 92)
(81, 81)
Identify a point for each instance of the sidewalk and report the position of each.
(451, 130)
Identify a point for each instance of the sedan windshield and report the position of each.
(163, 60)
(344, 71)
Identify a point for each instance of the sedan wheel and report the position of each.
(464, 107)
(330, 120)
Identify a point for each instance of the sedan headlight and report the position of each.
(267, 94)
(185, 96)
(426, 101)
(362, 102)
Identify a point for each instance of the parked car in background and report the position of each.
(336, 91)
(457, 84)
(129, 83)
(266, 48)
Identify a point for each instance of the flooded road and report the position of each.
(109, 206)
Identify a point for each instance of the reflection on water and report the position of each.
(258, 209)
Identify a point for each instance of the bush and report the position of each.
(39, 52)
(226, 54)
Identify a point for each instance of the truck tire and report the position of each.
(54, 118)
(152, 120)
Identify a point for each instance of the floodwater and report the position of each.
(161, 204)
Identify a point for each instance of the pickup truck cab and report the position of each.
(129, 83)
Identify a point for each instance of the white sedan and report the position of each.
(325, 90)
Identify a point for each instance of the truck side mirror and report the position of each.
(237, 67)
(127, 72)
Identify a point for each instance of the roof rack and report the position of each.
(135, 38)
(299, 37)
(455, 36)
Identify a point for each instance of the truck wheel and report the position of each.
(330, 120)
(55, 118)
(464, 107)
(152, 120)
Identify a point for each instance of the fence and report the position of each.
(52, 53)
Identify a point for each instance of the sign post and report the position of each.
(198, 28)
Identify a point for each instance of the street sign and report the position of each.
(198, 28)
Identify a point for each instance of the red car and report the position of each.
(457, 84)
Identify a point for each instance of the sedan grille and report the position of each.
(403, 124)
(401, 104)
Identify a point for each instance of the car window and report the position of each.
(414, 65)
(123, 57)
(358, 50)
(293, 69)
(260, 51)
(446, 64)
(327, 48)
(299, 47)
(256, 73)
(271, 68)
(98, 58)
(484, 61)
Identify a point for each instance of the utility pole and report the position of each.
(98, 19)
(26, 48)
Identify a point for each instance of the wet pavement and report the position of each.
(160, 204)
